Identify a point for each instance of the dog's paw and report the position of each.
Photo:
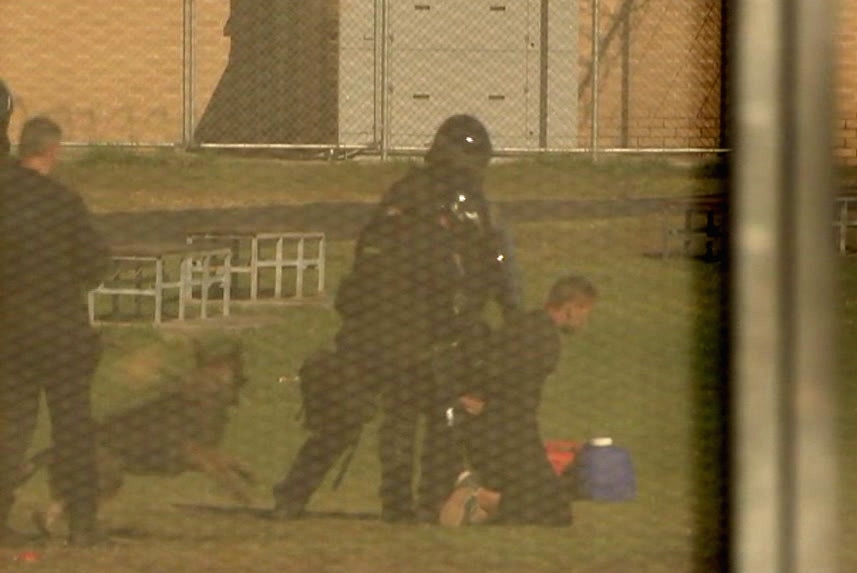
(241, 496)
(243, 472)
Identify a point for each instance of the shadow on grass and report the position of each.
(339, 220)
(259, 513)
(710, 414)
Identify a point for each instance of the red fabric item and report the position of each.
(561, 454)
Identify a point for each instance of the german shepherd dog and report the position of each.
(179, 431)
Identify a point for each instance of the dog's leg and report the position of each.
(46, 520)
(220, 468)
(240, 469)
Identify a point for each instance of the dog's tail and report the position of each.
(33, 465)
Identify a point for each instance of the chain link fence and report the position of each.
(225, 268)
(108, 73)
(374, 75)
(651, 78)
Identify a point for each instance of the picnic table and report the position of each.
(843, 219)
(270, 249)
(154, 270)
(703, 221)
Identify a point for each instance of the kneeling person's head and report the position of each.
(39, 145)
(570, 302)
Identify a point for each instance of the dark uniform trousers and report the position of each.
(314, 460)
(63, 373)
(408, 390)
(416, 394)
(398, 304)
(349, 393)
(504, 441)
(508, 456)
(50, 256)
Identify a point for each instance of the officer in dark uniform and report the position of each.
(453, 263)
(51, 256)
(498, 417)
(425, 265)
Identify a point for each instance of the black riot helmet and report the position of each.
(461, 141)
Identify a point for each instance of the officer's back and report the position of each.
(50, 252)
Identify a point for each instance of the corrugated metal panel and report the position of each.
(429, 85)
(472, 25)
(460, 56)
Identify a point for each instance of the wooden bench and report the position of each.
(277, 250)
(153, 271)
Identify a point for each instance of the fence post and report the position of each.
(544, 26)
(784, 515)
(595, 57)
(385, 79)
(810, 188)
(187, 73)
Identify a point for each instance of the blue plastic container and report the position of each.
(604, 472)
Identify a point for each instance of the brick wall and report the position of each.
(846, 89)
(106, 70)
(659, 73)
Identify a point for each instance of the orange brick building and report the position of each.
(845, 143)
(113, 71)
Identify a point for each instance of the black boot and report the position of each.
(284, 511)
(83, 530)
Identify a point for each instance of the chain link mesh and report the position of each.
(358, 72)
(660, 70)
(107, 72)
(337, 79)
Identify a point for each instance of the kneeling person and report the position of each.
(516, 483)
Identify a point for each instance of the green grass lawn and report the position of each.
(640, 351)
(118, 180)
(646, 373)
